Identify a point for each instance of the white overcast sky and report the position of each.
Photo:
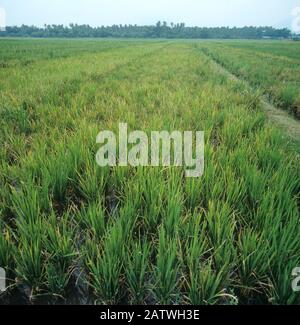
(193, 12)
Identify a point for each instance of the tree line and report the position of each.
(160, 30)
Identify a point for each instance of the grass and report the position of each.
(72, 231)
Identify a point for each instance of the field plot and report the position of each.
(286, 49)
(72, 232)
(273, 67)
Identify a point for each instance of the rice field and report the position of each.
(75, 233)
(271, 67)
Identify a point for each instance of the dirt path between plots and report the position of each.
(279, 117)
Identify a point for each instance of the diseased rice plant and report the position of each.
(166, 270)
(137, 271)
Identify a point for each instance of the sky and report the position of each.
(208, 13)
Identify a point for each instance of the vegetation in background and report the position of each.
(160, 30)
